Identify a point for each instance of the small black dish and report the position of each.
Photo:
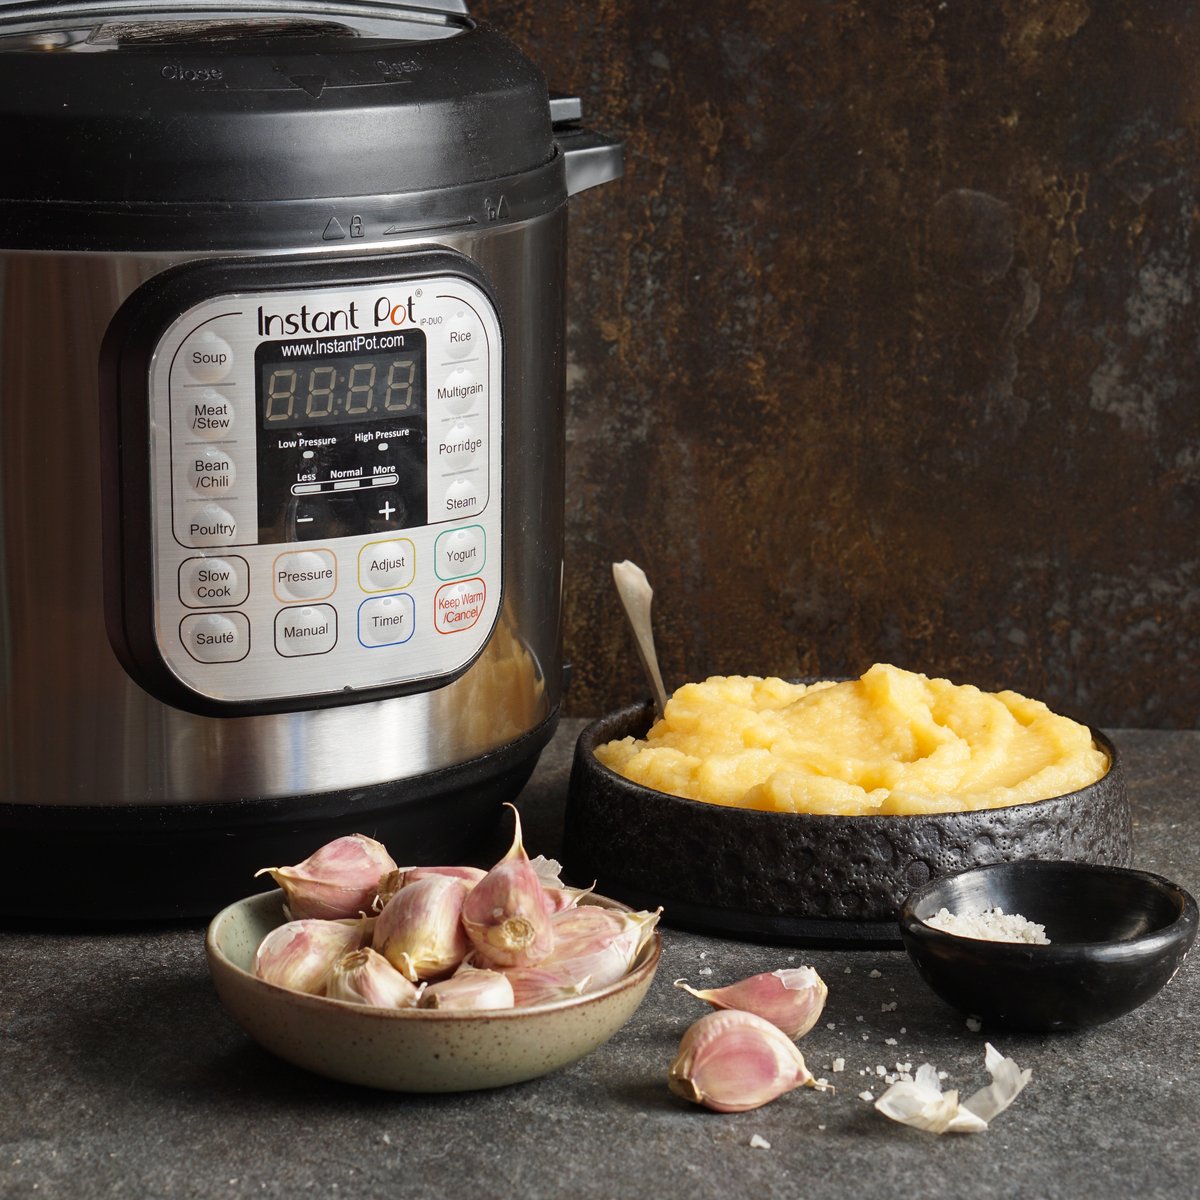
(1117, 936)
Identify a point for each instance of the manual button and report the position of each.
(215, 637)
(311, 629)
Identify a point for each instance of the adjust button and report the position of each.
(215, 637)
(214, 582)
(386, 566)
(311, 629)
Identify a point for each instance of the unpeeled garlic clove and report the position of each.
(599, 944)
(338, 880)
(506, 914)
(403, 876)
(545, 984)
(733, 1061)
(366, 977)
(300, 954)
(470, 988)
(792, 998)
(420, 932)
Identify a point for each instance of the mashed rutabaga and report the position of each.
(891, 743)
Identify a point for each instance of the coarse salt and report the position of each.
(990, 925)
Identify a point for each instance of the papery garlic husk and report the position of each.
(506, 914)
(403, 876)
(300, 954)
(366, 977)
(338, 880)
(599, 944)
(420, 932)
(562, 898)
(792, 998)
(733, 1061)
(545, 984)
(470, 988)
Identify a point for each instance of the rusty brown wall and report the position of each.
(886, 346)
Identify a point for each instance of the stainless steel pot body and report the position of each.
(76, 730)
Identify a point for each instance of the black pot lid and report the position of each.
(143, 103)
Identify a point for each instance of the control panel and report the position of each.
(325, 486)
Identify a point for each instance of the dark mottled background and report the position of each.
(886, 346)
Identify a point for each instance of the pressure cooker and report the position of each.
(281, 464)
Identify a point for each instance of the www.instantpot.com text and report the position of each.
(374, 341)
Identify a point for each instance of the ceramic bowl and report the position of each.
(1116, 938)
(410, 1050)
(811, 880)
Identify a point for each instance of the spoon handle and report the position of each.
(636, 594)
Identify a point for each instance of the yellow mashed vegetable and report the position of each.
(891, 743)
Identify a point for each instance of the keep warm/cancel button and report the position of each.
(457, 606)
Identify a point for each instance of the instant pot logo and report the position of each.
(386, 312)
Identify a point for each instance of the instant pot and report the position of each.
(281, 462)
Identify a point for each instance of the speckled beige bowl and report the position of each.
(410, 1050)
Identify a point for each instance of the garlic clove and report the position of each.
(300, 954)
(562, 898)
(599, 944)
(366, 977)
(338, 880)
(507, 914)
(544, 984)
(734, 1061)
(470, 988)
(403, 876)
(792, 998)
(419, 931)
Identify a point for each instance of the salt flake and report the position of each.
(758, 1142)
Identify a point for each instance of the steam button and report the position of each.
(215, 637)
(207, 358)
(462, 498)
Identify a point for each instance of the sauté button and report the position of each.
(459, 552)
(386, 566)
(214, 582)
(304, 575)
(207, 358)
(210, 471)
(215, 637)
(311, 629)
(386, 620)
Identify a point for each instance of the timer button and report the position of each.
(210, 525)
(215, 637)
(386, 620)
(207, 358)
(211, 471)
(459, 446)
(214, 582)
(459, 552)
(461, 391)
(304, 575)
(462, 497)
(304, 631)
(385, 566)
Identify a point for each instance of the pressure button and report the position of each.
(215, 637)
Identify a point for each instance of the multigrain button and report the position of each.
(215, 637)
(214, 582)
(311, 629)
(207, 358)
(460, 392)
(386, 620)
(387, 565)
(459, 552)
(304, 575)
(210, 525)
(210, 471)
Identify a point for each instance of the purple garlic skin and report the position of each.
(507, 914)
(403, 876)
(470, 989)
(338, 880)
(366, 977)
(301, 954)
(733, 1061)
(597, 946)
(792, 999)
(544, 984)
(420, 929)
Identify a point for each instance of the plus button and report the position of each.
(387, 510)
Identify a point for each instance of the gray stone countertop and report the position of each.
(121, 1075)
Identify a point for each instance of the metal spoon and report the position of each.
(636, 594)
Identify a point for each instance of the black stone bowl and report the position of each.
(798, 878)
(1116, 938)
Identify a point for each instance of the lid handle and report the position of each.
(591, 158)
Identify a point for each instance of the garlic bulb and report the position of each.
(506, 914)
(420, 929)
(366, 977)
(300, 954)
(733, 1061)
(470, 988)
(792, 998)
(338, 880)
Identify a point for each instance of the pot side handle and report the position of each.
(591, 158)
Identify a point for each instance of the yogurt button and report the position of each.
(305, 575)
(308, 630)
(214, 582)
(210, 471)
(207, 358)
(386, 620)
(215, 637)
(462, 496)
(209, 525)
(461, 392)
(385, 566)
(459, 445)
(459, 552)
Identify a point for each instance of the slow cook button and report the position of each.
(209, 525)
(459, 552)
(210, 471)
(457, 606)
(215, 637)
(459, 445)
(311, 629)
(386, 620)
(304, 575)
(214, 582)
(386, 566)
(460, 392)
(207, 358)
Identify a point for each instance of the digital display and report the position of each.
(306, 384)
